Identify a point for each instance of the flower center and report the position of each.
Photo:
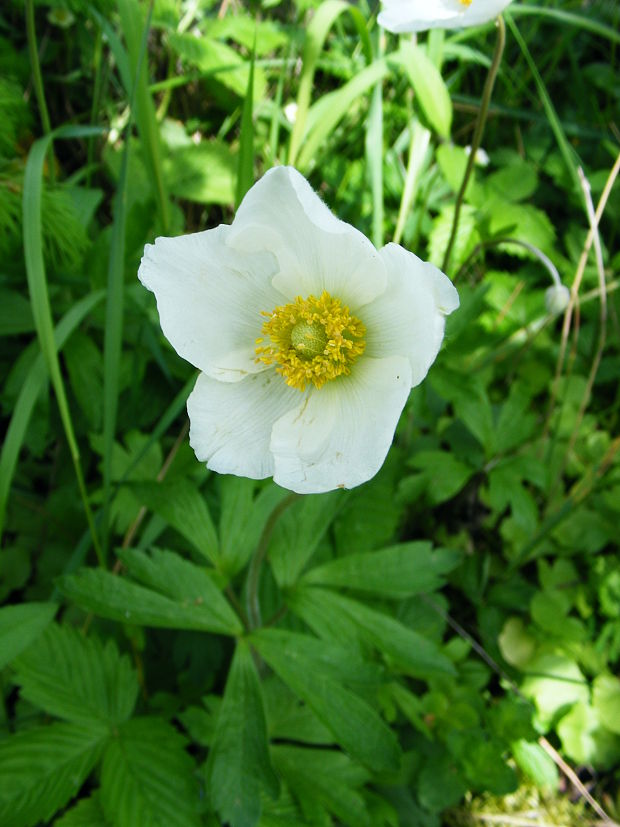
(311, 340)
(465, 2)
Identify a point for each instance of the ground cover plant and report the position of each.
(437, 645)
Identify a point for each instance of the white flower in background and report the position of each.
(418, 15)
(308, 339)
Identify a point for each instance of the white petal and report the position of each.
(210, 298)
(315, 250)
(231, 422)
(409, 318)
(339, 436)
(418, 15)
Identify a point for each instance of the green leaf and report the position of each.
(147, 777)
(413, 653)
(586, 740)
(15, 313)
(245, 168)
(606, 701)
(536, 764)
(184, 508)
(467, 236)
(243, 518)
(239, 765)
(168, 573)
(86, 813)
(108, 595)
(431, 92)
(398, 571)
(440, 783)
(77, 678)
(554, 682)
(43, 768)
(355, 725)
(203, 173)
(20, 625)
(298, 533)
(442, 475)
(324, 779)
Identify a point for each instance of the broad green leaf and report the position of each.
(325, 779)
(355, 724)
(77, 678)
(586, 740)
(398, 571)
(606, 701)
(239, 765)
(370, 515)
(20, 625)
(86, 813)
(147, 777)
(204, 173)
(413, 653)
(168, 573)
(215, 58)
(429, 87)
(108, 595)
(41, 769)
(298, 533)
(243, 517)
(184, 508)
(554, 682)
(536, 764)
(440, 783)
(288, 718)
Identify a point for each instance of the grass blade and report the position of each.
(245, 169)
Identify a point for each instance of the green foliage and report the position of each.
(233, 655)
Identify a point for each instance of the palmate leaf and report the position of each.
(186, 597)
(414, 654)
(42, 769)
(77, 678)
(20, 625)
(147, 778)
(398, 571)
(185, 509)
(355, 724)
(324, 780)
(239, 764)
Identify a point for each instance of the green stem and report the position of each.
(253, 602)
(37, 79)
(478, 132)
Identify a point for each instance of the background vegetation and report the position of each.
(440, 645)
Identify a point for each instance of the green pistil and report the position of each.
(309, 340)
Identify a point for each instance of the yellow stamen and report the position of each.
(465, 2)
(312, 341)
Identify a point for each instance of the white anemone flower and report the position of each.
(307, 338)
(419, 15)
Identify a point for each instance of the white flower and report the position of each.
(557, 299)
(308, 339)
(418, 15)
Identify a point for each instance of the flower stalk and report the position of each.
(478, 133)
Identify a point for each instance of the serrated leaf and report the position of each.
(397, 571)
(116, 598)
(239, 765)
(183, 508)
(298, 533)
(77, 678)
(147, 777)
(184, 582)
(41, 769)
(20, 625)
(442, 475)
(413, 653)
(326, 778)
(355, 724)
(243, 518)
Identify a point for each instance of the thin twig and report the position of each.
(575, 293)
